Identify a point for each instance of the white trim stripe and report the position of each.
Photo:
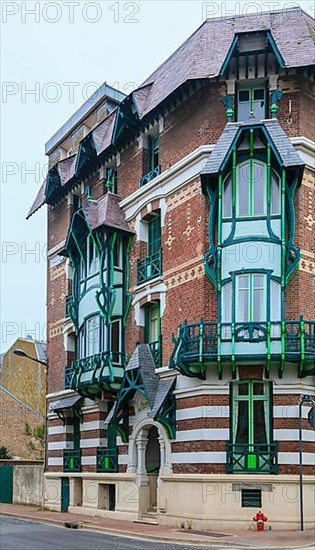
(55, 461)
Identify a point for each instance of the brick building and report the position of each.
(22, 397)
(181, 292)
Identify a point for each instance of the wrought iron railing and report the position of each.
(106, 460)
(254, 459)
(72, 460)
(68, 377)
(149, 267)
(156, 350)
(205, 342)
(150, 176)
(97, 370)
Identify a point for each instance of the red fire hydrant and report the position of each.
(260, 518)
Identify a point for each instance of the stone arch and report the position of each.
(137, 447)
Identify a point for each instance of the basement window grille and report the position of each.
(251, 498)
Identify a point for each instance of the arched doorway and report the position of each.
(152, 465)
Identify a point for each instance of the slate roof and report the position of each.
(282, 143)
(163, 390)
(106, 211)
(157, 389)
(142, 359)
(201, 56)
(67, 403)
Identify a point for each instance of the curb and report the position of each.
(165, 540)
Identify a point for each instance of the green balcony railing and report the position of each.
(150, 176)
(72, 460)
(106, 460)
(254, 459)
(68, 377)
(149, 267)
(156, 350)
(199, 344)
(102, 371)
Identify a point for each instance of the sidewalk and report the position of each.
(229, 539)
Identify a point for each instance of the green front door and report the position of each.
(65, 494)
(6, 484)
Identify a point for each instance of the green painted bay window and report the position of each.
(251, 191)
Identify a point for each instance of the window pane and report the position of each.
(227, 303)
(259, 104)
(242, 422)
(260, 432)
(243, 389)
(275, 193)
(259, 305)
(259, 188)
(243, 281)
(243, 190)
(117, 252)
(115, 340)
(259, 281)
(259, 388)
(153, 328)
(243, 95)
(259, 94)
(92, 336)
(227, 198)
(243, 303)
(243, 111)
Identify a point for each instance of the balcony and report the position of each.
(150, 176)
(72, 460)
(203, 343)
(156, 350)
(149, 267)
(106, 460)
(252, 459)
(103, 371)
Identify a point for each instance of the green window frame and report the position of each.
(251, 294)
(251, 421)
(152, 326)
(251, 188)
(154, 236)
(153, 152)
(251, 100)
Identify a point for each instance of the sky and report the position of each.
(54, 55)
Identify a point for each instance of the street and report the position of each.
(16, 534)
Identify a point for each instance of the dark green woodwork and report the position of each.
(68, 377)
(149, 176)
(167, 416)
(149, 267)
(6, 484)
(200, 344)
(65, 494)
(252, 459)
(107, 460)
(96, 373)
(234, 51)
(72, 460)
(214, 191)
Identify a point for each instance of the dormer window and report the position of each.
(251, 102)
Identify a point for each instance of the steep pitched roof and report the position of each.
(202, 54)
(106, 211)
(282, 143)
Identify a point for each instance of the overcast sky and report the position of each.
(53, 56)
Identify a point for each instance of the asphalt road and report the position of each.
(16, 534)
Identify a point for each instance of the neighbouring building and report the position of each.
(22, 398)
(181, 290)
